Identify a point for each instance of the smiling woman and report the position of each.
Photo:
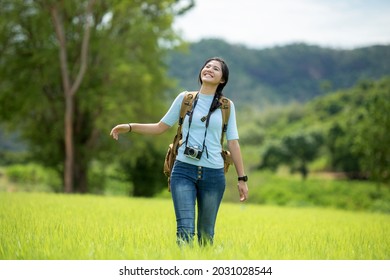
(197, 178)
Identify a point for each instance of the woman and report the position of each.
(198, 176)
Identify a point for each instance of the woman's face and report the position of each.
(212, 73)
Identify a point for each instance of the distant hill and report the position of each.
(282, 74)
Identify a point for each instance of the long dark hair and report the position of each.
(225, 77)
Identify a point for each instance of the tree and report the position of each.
(70, 86)
(70, 67)
(273, 156)
(343, 157)
(295, 150)
(373, 131)
(301, 149)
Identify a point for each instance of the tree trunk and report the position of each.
(70, 88)
(69, 144)
(303, 170)
(81, 176)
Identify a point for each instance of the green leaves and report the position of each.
(373, 132)
(295, 150)
(125, 78)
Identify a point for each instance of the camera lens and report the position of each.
(191, 152)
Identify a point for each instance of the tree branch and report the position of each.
(84, 49)
(59, 29)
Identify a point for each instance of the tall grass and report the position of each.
(54, 226)
(265, 188)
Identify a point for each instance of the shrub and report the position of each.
(33, 175)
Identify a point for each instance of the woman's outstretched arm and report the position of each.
(141, 128)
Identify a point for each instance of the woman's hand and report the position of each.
(242, 190)
(120, 128)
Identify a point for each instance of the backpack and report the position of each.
(177, 140)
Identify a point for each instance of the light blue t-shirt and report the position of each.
(211, 156)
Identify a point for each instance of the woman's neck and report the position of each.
(208, 89)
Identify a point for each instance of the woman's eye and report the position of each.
(215, 68)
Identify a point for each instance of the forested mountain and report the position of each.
(281, 74)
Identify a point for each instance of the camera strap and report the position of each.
(207, 124)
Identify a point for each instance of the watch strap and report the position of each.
(243, 178)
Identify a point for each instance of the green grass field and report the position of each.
(85, 227)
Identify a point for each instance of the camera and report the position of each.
(193, 152)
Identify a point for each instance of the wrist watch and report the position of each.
(243, 178)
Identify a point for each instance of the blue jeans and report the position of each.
(191, 185)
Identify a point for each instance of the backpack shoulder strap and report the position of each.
(186, 105)
(225, 108)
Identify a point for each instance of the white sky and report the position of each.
(266, 23)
